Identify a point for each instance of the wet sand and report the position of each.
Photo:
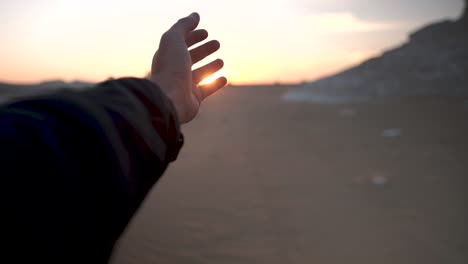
(261, 180)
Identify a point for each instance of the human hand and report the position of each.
(172, 67)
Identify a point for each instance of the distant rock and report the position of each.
(61, 84)
(434, 62)
(11, 92)
(53, 84)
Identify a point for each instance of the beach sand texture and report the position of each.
(262, 180)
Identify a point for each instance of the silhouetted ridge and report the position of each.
(433, 62)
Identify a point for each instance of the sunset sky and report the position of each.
(261, 41)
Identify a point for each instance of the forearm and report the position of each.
(147, 127)
(80, 164)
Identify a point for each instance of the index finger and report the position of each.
(188, 23)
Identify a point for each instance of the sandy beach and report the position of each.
(262, 180)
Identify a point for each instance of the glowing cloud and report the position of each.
(344, 23)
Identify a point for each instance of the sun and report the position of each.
(211, 78)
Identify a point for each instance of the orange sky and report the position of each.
(278, 42)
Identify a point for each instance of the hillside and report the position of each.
(434, 62)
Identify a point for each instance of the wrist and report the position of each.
(171, 93)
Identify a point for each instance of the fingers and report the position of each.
(201, 73)
(199, 53)
(187, 24)
(208, 89)
(196, 36)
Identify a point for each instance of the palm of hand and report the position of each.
(172, 67)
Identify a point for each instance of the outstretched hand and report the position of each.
(172, 67)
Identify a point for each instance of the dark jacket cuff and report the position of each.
(154, 100)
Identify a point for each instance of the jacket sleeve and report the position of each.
(75, 166)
